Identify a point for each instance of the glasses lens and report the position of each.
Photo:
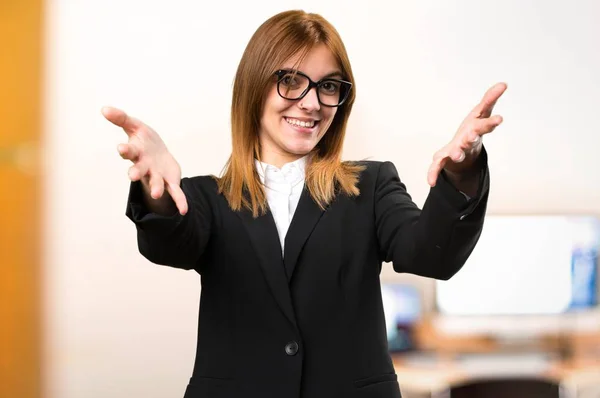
(291, 86)
(333, 92)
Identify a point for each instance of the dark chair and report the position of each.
(506, 388)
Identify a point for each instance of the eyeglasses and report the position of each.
(294, 85)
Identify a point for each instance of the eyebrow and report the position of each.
(336, 73)
(333, 74)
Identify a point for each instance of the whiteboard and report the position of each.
(521, 265)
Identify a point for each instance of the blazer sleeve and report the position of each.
(177, 241)
(433, 242)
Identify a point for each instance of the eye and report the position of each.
(330, 87)
(289, 80)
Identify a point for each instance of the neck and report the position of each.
(279, 159)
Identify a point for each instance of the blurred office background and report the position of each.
(83, 315)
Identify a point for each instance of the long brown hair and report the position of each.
(277, 40)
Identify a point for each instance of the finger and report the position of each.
(469, 140)
(178, 197)
(486, 126)
(485, 107)
(435, 170)
(442, 153)
(135, 172)
(121, 119)
(433, 173)
(157, 186)
(128, 151)
(471, 136)
(457, 155)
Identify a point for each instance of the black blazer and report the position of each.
(309, 323)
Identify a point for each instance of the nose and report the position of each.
(310, 102)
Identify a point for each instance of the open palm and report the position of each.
(462, 151)
(153, 164)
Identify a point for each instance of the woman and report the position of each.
(289, 242)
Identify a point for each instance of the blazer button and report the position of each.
(291, 348)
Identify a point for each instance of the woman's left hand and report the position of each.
(460, 155)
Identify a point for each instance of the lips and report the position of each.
(306, 126)
(301, 122)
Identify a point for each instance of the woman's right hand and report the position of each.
(153, 164)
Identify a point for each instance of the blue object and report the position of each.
(402, 307)
(584, 278)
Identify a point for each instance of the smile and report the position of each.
(301, 123)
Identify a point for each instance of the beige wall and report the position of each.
(119, 326)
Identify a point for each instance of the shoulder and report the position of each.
(205, 185)
(205, 180)
(372, 170)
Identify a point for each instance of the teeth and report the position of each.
(300, 123)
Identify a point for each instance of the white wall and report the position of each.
(118, 326)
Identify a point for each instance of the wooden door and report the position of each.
(20, 197)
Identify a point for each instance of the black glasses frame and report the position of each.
(282, 72)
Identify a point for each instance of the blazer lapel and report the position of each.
(264, 237)
(304, 221)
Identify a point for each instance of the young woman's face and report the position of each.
(290, 129)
